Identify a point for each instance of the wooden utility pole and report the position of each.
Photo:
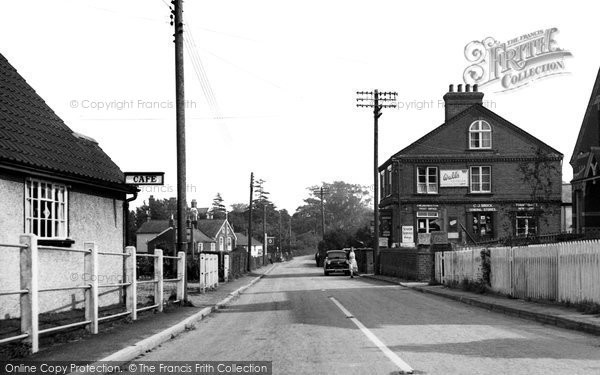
(321, 192)
(250, 219)
(372, 100)
(180, 116)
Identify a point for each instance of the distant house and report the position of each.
(148, 231)
(257, 246)
(209, 235)
(586, 171)
(220, 231)
(167, 241)
(57, 184)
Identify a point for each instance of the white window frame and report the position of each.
(479, 189)
(477, 130)
(213, 246)
(427, 187)
(52, 198)
(527, 218)
(426, 216)
(229, 243)
(200, 247)
(221, 243)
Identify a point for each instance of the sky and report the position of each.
(281, 78)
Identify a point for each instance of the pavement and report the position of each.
(546, 313)
(121, 342)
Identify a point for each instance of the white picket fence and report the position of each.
(29, 286)
(209, 271)
(455, 266)
(567, 271)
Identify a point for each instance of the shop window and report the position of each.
(46, 209)
(427, 180)
(526, 225)
(481, 179)
(480, 135)
(483, 225)
(428, 222)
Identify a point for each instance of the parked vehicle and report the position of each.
(336, 261)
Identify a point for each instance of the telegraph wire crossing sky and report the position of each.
(271, 86)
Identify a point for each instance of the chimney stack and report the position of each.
(457, 102)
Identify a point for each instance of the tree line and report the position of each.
(347, 212)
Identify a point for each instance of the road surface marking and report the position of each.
(404, 367)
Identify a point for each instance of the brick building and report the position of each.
(476, 177)
(586, 174)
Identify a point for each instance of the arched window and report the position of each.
(480, 135)
(220, 243)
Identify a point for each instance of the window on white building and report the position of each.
(427, 180)
(481, 179)
(480, 135)
(46, 209)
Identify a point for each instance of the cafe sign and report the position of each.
(144, 178)
(454, 178)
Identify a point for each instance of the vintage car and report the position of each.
(336, 261)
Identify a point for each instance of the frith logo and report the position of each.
(515, 63)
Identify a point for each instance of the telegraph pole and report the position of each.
(180, 118)
(250, 220)
(322, 191)
(280, 243)
(372, 100)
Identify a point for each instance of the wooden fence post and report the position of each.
(29, 281)
(131, 278)
(202, 283)
(158, 276)
(181, 274)
(90, 268)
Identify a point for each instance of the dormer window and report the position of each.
(480, 135)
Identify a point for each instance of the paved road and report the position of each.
(297, 318)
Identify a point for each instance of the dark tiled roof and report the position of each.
(201, 237)
(153, 226)
(242, 240)
(32, 136)
(210, 227)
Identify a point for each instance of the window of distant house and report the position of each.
(46, 209)
(481, 179)
(200, 247)
(228, 243)
(526, 225)
(220, 243)
(427, 182)
(212, 246)
(480, 135)
(428, 222)
(381, 184)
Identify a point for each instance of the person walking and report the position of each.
(352, 263)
